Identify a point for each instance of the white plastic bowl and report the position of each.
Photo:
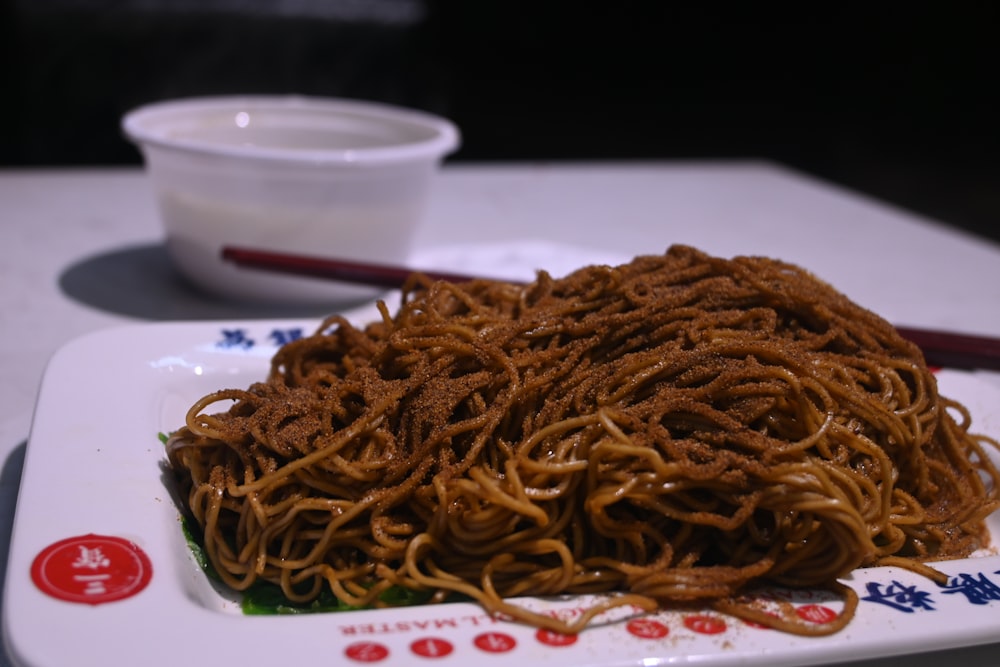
(316, 176)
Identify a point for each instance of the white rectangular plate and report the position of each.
(94, 466)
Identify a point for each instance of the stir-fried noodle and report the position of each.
(673, 430)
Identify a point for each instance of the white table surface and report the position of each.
(81, 250)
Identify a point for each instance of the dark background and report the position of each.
(899, 102)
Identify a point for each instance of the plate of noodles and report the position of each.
(677, 460)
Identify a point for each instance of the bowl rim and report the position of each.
(143, 126)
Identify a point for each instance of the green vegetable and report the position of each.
(265, 598)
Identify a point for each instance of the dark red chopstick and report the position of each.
(954, 350)
(940, 348)
(362, 273)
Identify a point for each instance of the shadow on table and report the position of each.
(10, 481)
(140, 281)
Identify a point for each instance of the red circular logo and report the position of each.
(705, 624)
(91, 569)
(553, 638)
(366, 652)
(432, 647)
(495, 642)
(815, 613)
(647, 628)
